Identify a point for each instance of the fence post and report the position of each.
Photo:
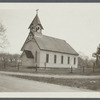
(36, 68)
(4, 63)
(71, 70)
(83, 69)
(18, 66)
(45, 64)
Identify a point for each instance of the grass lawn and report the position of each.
(93, 84)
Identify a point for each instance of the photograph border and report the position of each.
(50, 95)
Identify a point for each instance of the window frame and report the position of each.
(55, 59)
(47, 58)
(68, 60)
(74, 60)
(62, 58)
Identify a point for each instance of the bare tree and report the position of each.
(3, 39)
(97, 55)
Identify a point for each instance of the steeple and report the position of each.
(36, 25)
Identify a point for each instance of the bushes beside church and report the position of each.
(11, 60)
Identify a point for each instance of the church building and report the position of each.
(44, 51)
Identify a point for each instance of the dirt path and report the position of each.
(13, 84)
(55, 76)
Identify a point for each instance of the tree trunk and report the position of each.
(97, 60)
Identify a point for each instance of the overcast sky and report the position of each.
(78, 24)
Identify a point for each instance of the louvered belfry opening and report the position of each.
(28, 54)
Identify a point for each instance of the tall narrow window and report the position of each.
(74, 61)
(55, 58)
(68, 60)
(61, 59)
(47, 58)
(36, 56)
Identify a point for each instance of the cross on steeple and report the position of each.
(37, 11)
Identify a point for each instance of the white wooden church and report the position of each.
(44, 51)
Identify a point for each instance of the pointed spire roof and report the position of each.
(36, 22)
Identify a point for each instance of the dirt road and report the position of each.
(55, 76)
(13, 84)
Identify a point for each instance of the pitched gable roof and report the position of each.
(54, 44)
(36, 22)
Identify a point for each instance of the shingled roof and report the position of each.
(53, 44)
(49, 43)
(36, 22)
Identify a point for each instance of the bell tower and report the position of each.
(36, 26)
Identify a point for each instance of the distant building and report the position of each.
(44, 51)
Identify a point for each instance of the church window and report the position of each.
(61, 59)
(74, 61)
(68, 60)
(47, 58)
(55, 57)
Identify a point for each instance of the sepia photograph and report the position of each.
(49, 47)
